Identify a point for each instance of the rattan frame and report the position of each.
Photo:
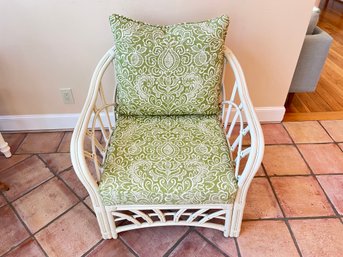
(98, 113)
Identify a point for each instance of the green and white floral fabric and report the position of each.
(168, 70)
(168, 160)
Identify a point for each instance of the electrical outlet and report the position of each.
(67, 95)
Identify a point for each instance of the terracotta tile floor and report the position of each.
(294, 206)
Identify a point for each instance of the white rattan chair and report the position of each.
(99, 113)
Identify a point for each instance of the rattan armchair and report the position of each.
(99, 114)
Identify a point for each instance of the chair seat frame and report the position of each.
(99, 113)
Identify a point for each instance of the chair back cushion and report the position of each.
(168, 70)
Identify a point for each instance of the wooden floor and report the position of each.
(328, 96)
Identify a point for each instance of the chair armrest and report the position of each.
(241, 108)
(89, 119)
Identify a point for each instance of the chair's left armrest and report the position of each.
(85, 128)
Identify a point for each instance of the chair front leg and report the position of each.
(4, 148)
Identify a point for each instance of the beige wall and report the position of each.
(49, 44)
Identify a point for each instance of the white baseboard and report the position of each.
(268, 114)
(38, 121)
(68, 120)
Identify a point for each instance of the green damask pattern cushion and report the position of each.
(168, 160)
(168, 70)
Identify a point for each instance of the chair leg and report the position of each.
(104, 223)
(110, 219)
(236, 220)
(4, 148)
(228, 220)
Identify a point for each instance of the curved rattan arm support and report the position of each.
(77, 150)
(257, 142)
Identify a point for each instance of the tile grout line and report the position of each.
(284, 215)
(57, 175)
(315, 176)
(29, 191)
(127, 246)
(36, 186)
(21, 143)
(31, 235)
(15, 164)
(293, 218)
(173, 247)
(327, 132)
(311, 171)
(92, 248)
(60, 178)
(24, 242)
(57, 217)
(212, 244)
(58, 145)
(81, 200)
(304, 175)
(323, 190)
(316, 179)
(237, 247)
(305, 143)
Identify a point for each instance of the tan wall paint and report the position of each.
(49, 44)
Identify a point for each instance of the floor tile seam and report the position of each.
(65, 132)
(56, 218)
(92, 248)
(274, 193)
(63, 151)
(296, 146)
(67, 169)
(21, 143)
(327, 132)
(89, 208)
(127, 246)
(293, 238)
(60, 178)
(31, 235)
(35, 152)
(335, 142)
(315, 143)
(46, 164)
(237, 247)
(295, 143)
(293, 218)
(17, 163)
(32, 189)
(320, 186)
(284, 215)
(302, 175)
(178, 242)
(58, 145)
(79, 200)
(212, 244)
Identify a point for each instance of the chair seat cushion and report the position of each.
(168, 160)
